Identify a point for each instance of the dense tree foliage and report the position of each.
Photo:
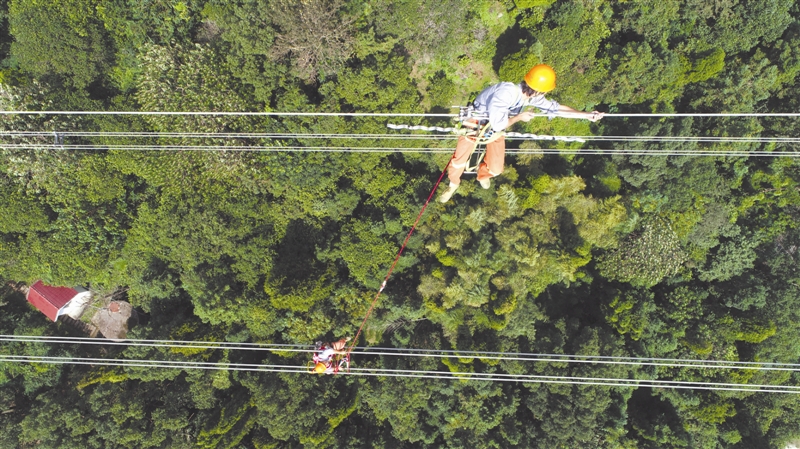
(661, 255)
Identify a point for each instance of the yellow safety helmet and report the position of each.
(320, 368)
(541, 78)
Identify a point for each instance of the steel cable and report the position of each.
(384, 150)
(377, 136)
(428, 374)
(385, 114)
(432, 353)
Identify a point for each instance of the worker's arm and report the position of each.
(568, 112)
(562, 111)
(555, 109)
(524, 116)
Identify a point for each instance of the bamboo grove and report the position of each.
(667, 255)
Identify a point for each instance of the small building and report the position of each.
(57, 301)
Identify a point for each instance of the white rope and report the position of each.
(380, 372)
(223, 135)
(245, 148)
(463, 131)
(510, 136)
(529, 136)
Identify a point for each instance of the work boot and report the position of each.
(448, 193)
(485, 183)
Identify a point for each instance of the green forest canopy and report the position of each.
(688, 257)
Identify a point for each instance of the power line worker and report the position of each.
(325, 355)
(503, 104)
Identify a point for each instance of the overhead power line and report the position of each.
(380, 114)
(224, 135)
(383, 150)
(431, 353)
(426, 374)
(398, 136)
(231, 113)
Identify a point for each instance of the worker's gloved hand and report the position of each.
(594, 116)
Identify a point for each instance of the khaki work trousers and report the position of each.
(491, 166)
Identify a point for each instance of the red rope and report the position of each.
(399, 253)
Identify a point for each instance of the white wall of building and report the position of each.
(75, 307)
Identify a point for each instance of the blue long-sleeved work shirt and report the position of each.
(502, 99)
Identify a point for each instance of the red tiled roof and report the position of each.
(49, 299)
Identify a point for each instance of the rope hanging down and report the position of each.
(397, 258)
(403, 247)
